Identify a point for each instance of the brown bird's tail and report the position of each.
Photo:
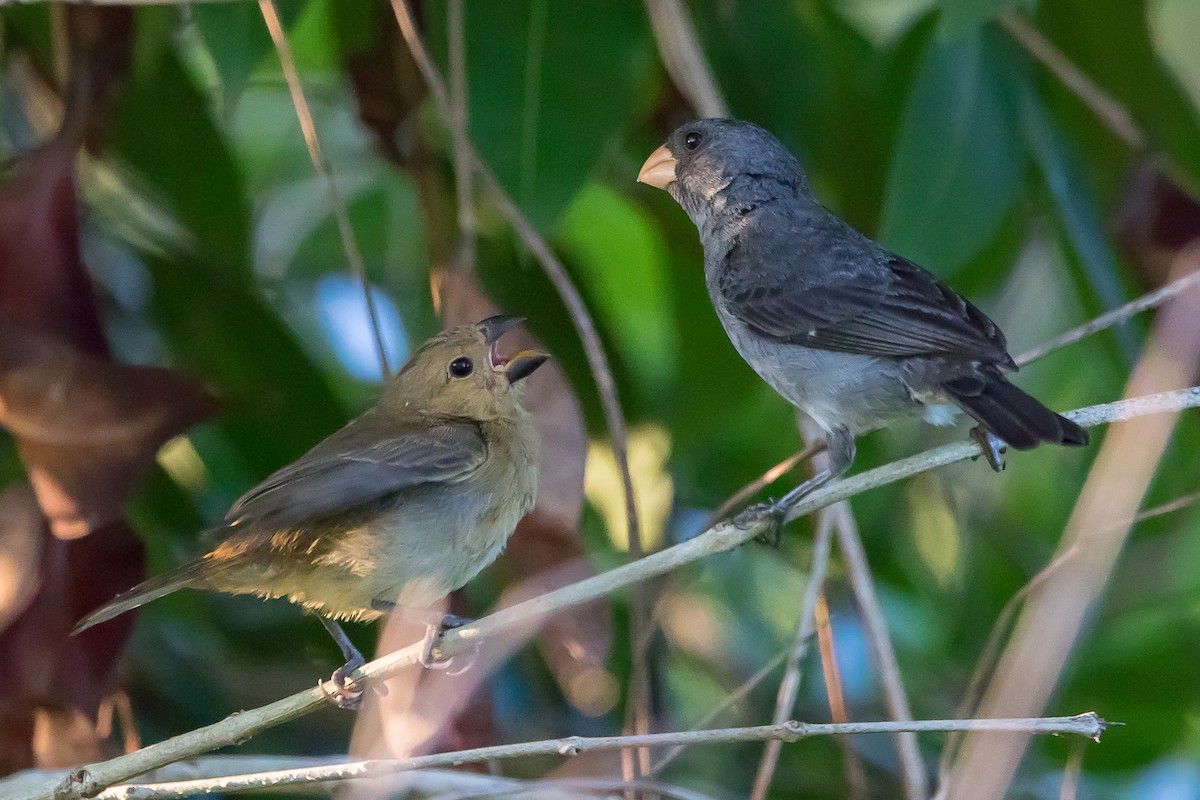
(1013, 416)
(189, 575)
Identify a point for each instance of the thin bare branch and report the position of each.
(727, 702)
(912, 767)
(683, 58)
(856, 776)
(1111, 113)
(337, 205)
(464, 173)
(92, 779)
(789, 687)
(1087, 724)
(762, 481)
(1116, 316)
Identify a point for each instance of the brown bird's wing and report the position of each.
(351, 468)
(904, 312)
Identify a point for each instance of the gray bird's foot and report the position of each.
(772, 511)
(433, 640)
(993, 449)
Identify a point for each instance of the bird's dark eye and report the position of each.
(461, 367)
(692, 140)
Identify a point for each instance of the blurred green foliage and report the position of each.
(923, 123)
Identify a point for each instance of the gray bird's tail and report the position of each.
(1020, 420)
(188, 575)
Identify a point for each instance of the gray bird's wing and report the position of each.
(895, 309)
(344, 471)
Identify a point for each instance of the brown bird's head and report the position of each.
(460, 372)
(702, 158)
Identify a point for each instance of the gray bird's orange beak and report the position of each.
(659, 169)
(522, 364)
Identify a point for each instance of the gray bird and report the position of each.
(400, 507)
(851, 334)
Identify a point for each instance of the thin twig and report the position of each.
(727, 702)
(683, 58)
(1111, 113)
(762, 481)
(912, 767)
(789, 687)
(464, 174)
(856, 776)
(94, 778)
(1145, 302)
(325, 172)
(1087, 724)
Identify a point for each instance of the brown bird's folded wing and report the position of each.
(906, 312)
(352, 468)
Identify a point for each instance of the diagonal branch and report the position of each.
(89, 781)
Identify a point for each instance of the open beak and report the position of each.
(522, 364)
(495, 327)
(659, 169)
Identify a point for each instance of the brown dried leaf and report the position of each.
(21, 529)
(43, 285)
(1157, 218)
(86, 428)
(46, 668)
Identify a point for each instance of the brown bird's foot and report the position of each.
(993, 449)
(433, 640)
(346, 693)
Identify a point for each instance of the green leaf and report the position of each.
(550, 84)
(1077, 211)
(237, 39)
(958, 164)
(276, 403)
(1109, 40)
(959, 18)
(611, 266)
(180, 152)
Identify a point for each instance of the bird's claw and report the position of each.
(346, 693)
(752, 515)
(433, 639)
(991, 448)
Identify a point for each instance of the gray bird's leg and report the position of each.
(840, 446)
(993, 449)
(433, 638)
(344, 696)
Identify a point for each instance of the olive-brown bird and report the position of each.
(406, 503)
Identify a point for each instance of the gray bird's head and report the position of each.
(460, 372)
(705, 158)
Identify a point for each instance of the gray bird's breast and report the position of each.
(838, 390)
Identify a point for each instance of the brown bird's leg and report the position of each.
(433, 637)
(344, 696)
(840, 446)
